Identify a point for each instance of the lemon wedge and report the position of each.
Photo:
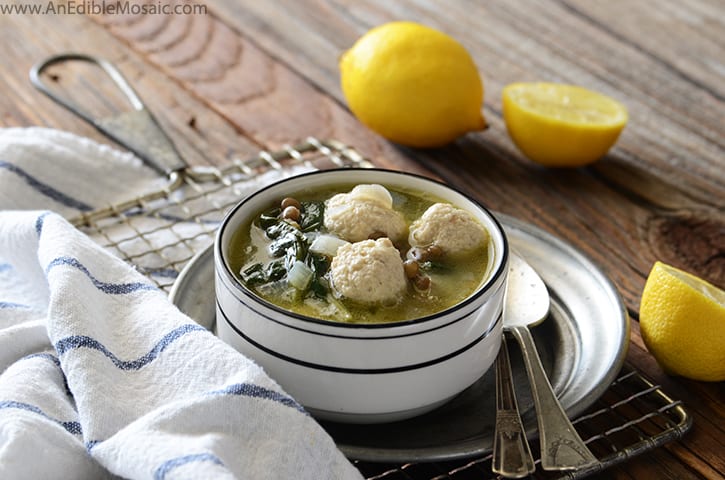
(682, 322)
(412, 84)
(560, 125)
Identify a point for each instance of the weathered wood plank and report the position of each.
(260, 74)
(261, 97)
(524, 41)
(701, 446)
(686, 37)
(201, 135)
(646, 206)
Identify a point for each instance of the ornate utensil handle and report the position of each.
(561, 446)
(511, 454)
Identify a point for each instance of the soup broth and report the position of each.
(264, 265)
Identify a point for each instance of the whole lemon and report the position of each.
(560, 125)
(682, 321)
(412, 84)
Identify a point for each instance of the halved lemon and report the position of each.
(560, 125)
(682, 322)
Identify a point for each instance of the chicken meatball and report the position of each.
(369, 271)
(365, 212)
(452, 229)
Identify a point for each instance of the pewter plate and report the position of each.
(582, 344)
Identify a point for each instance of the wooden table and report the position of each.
(250, 75)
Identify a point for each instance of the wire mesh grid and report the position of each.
(632, 417)
(161, 231)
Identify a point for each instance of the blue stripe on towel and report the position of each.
(167, 466)
(5, 267)
(56, 361)
(255, 391)
(71, 427)
(81, 341)
(39, 222)
(45, 189)
(48, 356)
(91, 444)
(13, 305)
(110, 288)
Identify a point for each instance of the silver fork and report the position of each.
(511, 453)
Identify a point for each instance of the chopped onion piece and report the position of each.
(340, 311)
(327, 244)
(300, 275)
(373, 192)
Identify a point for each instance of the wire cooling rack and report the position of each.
(159, 232)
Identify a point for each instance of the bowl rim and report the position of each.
(219, 258)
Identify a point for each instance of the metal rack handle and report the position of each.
(137, 129)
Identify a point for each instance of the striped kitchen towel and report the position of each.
(100, 375)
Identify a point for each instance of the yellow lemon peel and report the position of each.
(412, 84)
(560, 125)
(682, 322)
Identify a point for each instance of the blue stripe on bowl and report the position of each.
(359, 371)
(344, 325)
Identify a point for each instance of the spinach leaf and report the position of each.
(269, 218)
(431, 265)
(312, 217)
(259, 274)
(289, 244)
(278, 229)
(280, 246)
(275, 270)
(319, 265)
(254, 275)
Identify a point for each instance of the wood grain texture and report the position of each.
(266, 101)
(201, 135)
(635, 206)
(256, 74)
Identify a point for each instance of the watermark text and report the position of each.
(91, 7)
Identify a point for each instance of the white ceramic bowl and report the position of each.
(372, 372)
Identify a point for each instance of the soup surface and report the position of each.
(277, 256)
